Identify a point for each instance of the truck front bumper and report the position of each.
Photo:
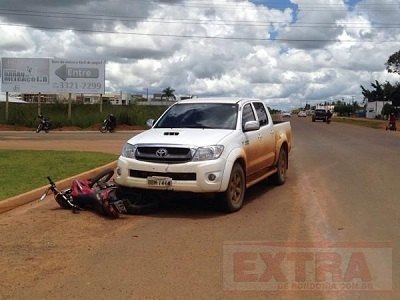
(197, 177)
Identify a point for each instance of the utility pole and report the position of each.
(39, 98)
(69, 106)
(6, 106)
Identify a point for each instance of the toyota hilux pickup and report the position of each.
(220, 146)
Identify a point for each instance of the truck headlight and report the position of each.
(208, 152)
(129, 150)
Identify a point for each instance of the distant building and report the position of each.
(44, 98)
(11, 98)
(112, 98)
(374, 109)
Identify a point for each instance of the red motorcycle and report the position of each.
(96, 193)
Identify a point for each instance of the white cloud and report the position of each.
(14, 40)
(323, 49)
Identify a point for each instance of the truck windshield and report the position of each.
(200, 115)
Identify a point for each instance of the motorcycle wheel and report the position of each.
(102, 177)
(62, 201)
(103, 129)
(39, 128)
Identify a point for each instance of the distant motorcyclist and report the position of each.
(44, 124)
(113, 121)
(109, 124)
(392, 122)
(328, 116)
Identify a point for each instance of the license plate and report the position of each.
(159, 181)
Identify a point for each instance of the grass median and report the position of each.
(25, 170)
(371, 123)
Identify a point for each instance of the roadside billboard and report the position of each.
(34, 75)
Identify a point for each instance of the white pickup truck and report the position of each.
(207, 145)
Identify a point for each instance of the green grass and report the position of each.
(376, 124)
(25, 170)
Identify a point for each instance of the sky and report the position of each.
(288, 53)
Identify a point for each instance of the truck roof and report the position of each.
(232, 100)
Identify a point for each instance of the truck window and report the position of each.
(248, 114)
(261, 113)
(201, 115)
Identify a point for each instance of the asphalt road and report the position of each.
(335, 223)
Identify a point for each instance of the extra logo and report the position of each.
(325, 267)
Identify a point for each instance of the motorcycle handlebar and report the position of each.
(51, 181)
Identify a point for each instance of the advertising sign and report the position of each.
(25, 75)
(34, 75)
(77, 76)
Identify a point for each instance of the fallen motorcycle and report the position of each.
(97, 193)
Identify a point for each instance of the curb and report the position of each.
(19, 200)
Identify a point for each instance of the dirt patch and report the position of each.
(6, 127)
(40, 240)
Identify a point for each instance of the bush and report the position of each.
(82, 115)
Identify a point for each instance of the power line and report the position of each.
(80, 16)
(277, 4)
(322, 8)
(193, 36)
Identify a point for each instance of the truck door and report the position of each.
(250, 141)
(266, 136)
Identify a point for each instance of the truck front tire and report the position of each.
(232, 198)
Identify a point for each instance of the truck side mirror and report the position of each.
(150, 123)
(251, 126)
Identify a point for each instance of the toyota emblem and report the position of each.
(162, 152)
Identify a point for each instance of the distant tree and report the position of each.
(396, 98)
(393, 63)
(388, 109)
(374, 95)
(273, 110)
(168, 93)
(346, 109)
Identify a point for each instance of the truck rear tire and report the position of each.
(281, 165)
(232, 198)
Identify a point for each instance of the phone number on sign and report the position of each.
(78, 85)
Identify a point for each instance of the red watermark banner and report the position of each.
(307, 267)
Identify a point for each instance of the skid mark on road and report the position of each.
(313, 194)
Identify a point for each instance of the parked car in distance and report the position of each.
(302, 113)
(286, 114)
(319, 114)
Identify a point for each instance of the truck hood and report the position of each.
(181, 136)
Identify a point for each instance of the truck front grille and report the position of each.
(174, 176)
(163, 154)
